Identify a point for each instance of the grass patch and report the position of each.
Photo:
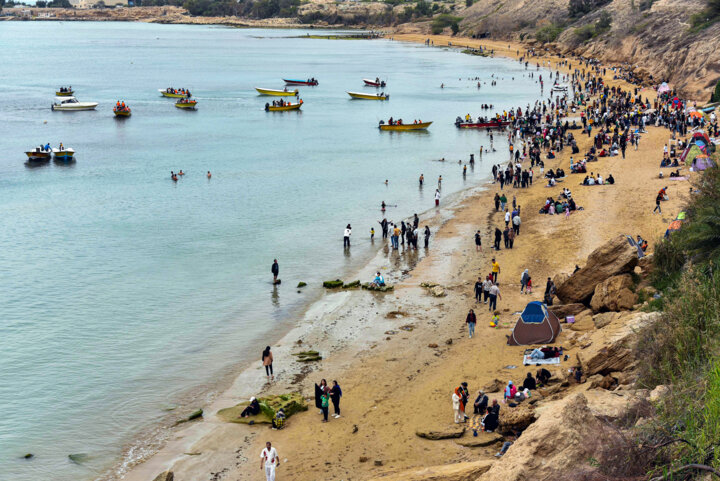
(443, 21)
(549, 33)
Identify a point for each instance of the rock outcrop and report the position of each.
(290, 403)
(564, 310)
(612, 258)
(614, 294)
(166, 476)
(450, 472)
(449, 432)
(516, 419)
(482, 440)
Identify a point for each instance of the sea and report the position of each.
(125, 295)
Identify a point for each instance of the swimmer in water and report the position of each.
(181, 172)
(422, 179)
(386, 182)
(209, 174)
(382, 206)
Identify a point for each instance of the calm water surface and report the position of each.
(121, 290)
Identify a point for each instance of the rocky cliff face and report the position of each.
(654, 41)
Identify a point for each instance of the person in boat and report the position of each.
(382, 206)
(377, 80)
(390, 121)
(47, 147)
(62, 147)
(285, 89)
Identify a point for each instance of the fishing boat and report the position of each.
(175, 93)
(63, 153)
(404, 127)
(278, 93)
(284, 107)
(72, 104)
(186, 104)
(312, 82)
(490, 124)
(374, 83)
(64, 92)
(122, 111)
(360, 96)
(39, 154)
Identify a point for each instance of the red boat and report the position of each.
(311, 81)
(492, 124)
(373, 83)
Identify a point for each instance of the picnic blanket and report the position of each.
(528, 362)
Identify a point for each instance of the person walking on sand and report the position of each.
(346, 236)
(511, 238)
(495, 270)
(498, 236)
(494, 293)
(478, 242)
(657, 203)
(427, 236)
(478, 290)
(275, 269)
(524, 280)
(269, 461)
(335, 395)
(267, 360)
(325, 405)
(471, 320)
(320, 389)
(487, 284)
(437, 197)
(516, 223)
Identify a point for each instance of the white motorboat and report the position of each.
(559, 88)
(71, 103)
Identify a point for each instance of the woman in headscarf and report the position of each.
(320, 389)
(524, 279)
(510, 391)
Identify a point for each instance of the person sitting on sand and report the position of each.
(610, 180)
(490, 421)
(510, 391)
(252, 409)
(278, 421)
(481, 403)
(542, 376)
(529, 382)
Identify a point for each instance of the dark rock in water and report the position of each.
(333, 284)
(352, 284)
(78, 458)
(192, 416)
(29, 456)
(166, 476)
(301, 284)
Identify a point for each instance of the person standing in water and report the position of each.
(267, 360)
(422, 179)
(427, 236)
(275, 269)
(209, 175)
(346, 236)
(437, 197)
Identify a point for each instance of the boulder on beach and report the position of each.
(610, 259)
(351, 285)
(614, 294)
(372, 287)
(301, 284)
(516, 419)
(482, 440)
(333, 284)
(308, 356)
(562, 311)
(166, 476)
(291, 403)
(454, 431)
(467, 471)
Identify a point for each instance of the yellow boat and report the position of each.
(186, 104)
(358, 95)
(174, 94)
(283, 108)
(405, 127)
(278, 93)
(64, 93)
(122, 112)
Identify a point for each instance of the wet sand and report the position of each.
(393, 383)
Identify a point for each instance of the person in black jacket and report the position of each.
(275, 269)
(529, 382)
(481, 402)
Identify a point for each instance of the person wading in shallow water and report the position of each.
(275, 269)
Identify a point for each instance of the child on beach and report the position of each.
(495, 320)
(528, 286)
(372, 233)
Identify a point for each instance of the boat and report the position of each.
(373, 83)
(64, 92)
(312, 82)
(278, 93)
(186, 104)
(71, 104)
(490, 124)
(63, 153)
(559, 88)
(39, 154)
(122, 111)
(380, 96)
(404, 127)
(285, 107)
(175, 93)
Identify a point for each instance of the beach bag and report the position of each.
(570, 319)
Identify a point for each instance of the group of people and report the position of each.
(120, 106)
(66, 90)
(405, 232)
(324, 395)
(184, 92)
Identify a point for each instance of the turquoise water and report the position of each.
(122, 291)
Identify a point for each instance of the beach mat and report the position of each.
(529, 362)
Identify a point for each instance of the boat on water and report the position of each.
(122, 111)
(489, 124)
(374, 83)
(39, 154)
(186, 104)
(284, 107)
(403, 127)
(559, 88)
(63, 153)
(72, 104)
(361, 96)
(175, 93)
(311, 81)
(278, 93)
(64, 92)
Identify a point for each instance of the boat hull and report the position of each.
(172, 95)
(42, 156)
(277, 93)
(361, 96)
(299, 82)
(283, 108)
(64, 94)
(482, 125)
(122, 113)
(373, 83)
(186, 105)
(66, 154)
(75, 107)
(405, 127)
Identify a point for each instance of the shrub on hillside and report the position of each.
(578, 8)
(549, 33)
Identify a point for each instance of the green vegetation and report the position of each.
(468, 3)
(549, 33)
(683, 350)
(443, 21)
(291, 403)
(246, 8)
(706, 17)
(602, 25)
(715, 97)
(579, 8)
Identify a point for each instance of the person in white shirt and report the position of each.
(600, 180)
(346, 236)
(437, 197)
(269, 461)
(507, 217)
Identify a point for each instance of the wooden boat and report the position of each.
(404, 127)
(122, 112)
(361, 96)
(373, 83)
(278, 93)
(186, 104)
(311, 82)
(283, 108)
(174, 93)
(38, 154)
(72, 104)
(493, 124)
(64, 93)
(65, 154)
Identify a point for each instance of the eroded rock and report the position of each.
(469, 471)
(614, 294)
(448, 432)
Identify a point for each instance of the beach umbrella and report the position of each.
(696, 114)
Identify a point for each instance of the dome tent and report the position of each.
(536, 325)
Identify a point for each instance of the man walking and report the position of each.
(269, 460)
(346, 237)
(275, 269)
(495, 270)
(494, 293)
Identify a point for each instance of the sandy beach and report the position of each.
(393, 382)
